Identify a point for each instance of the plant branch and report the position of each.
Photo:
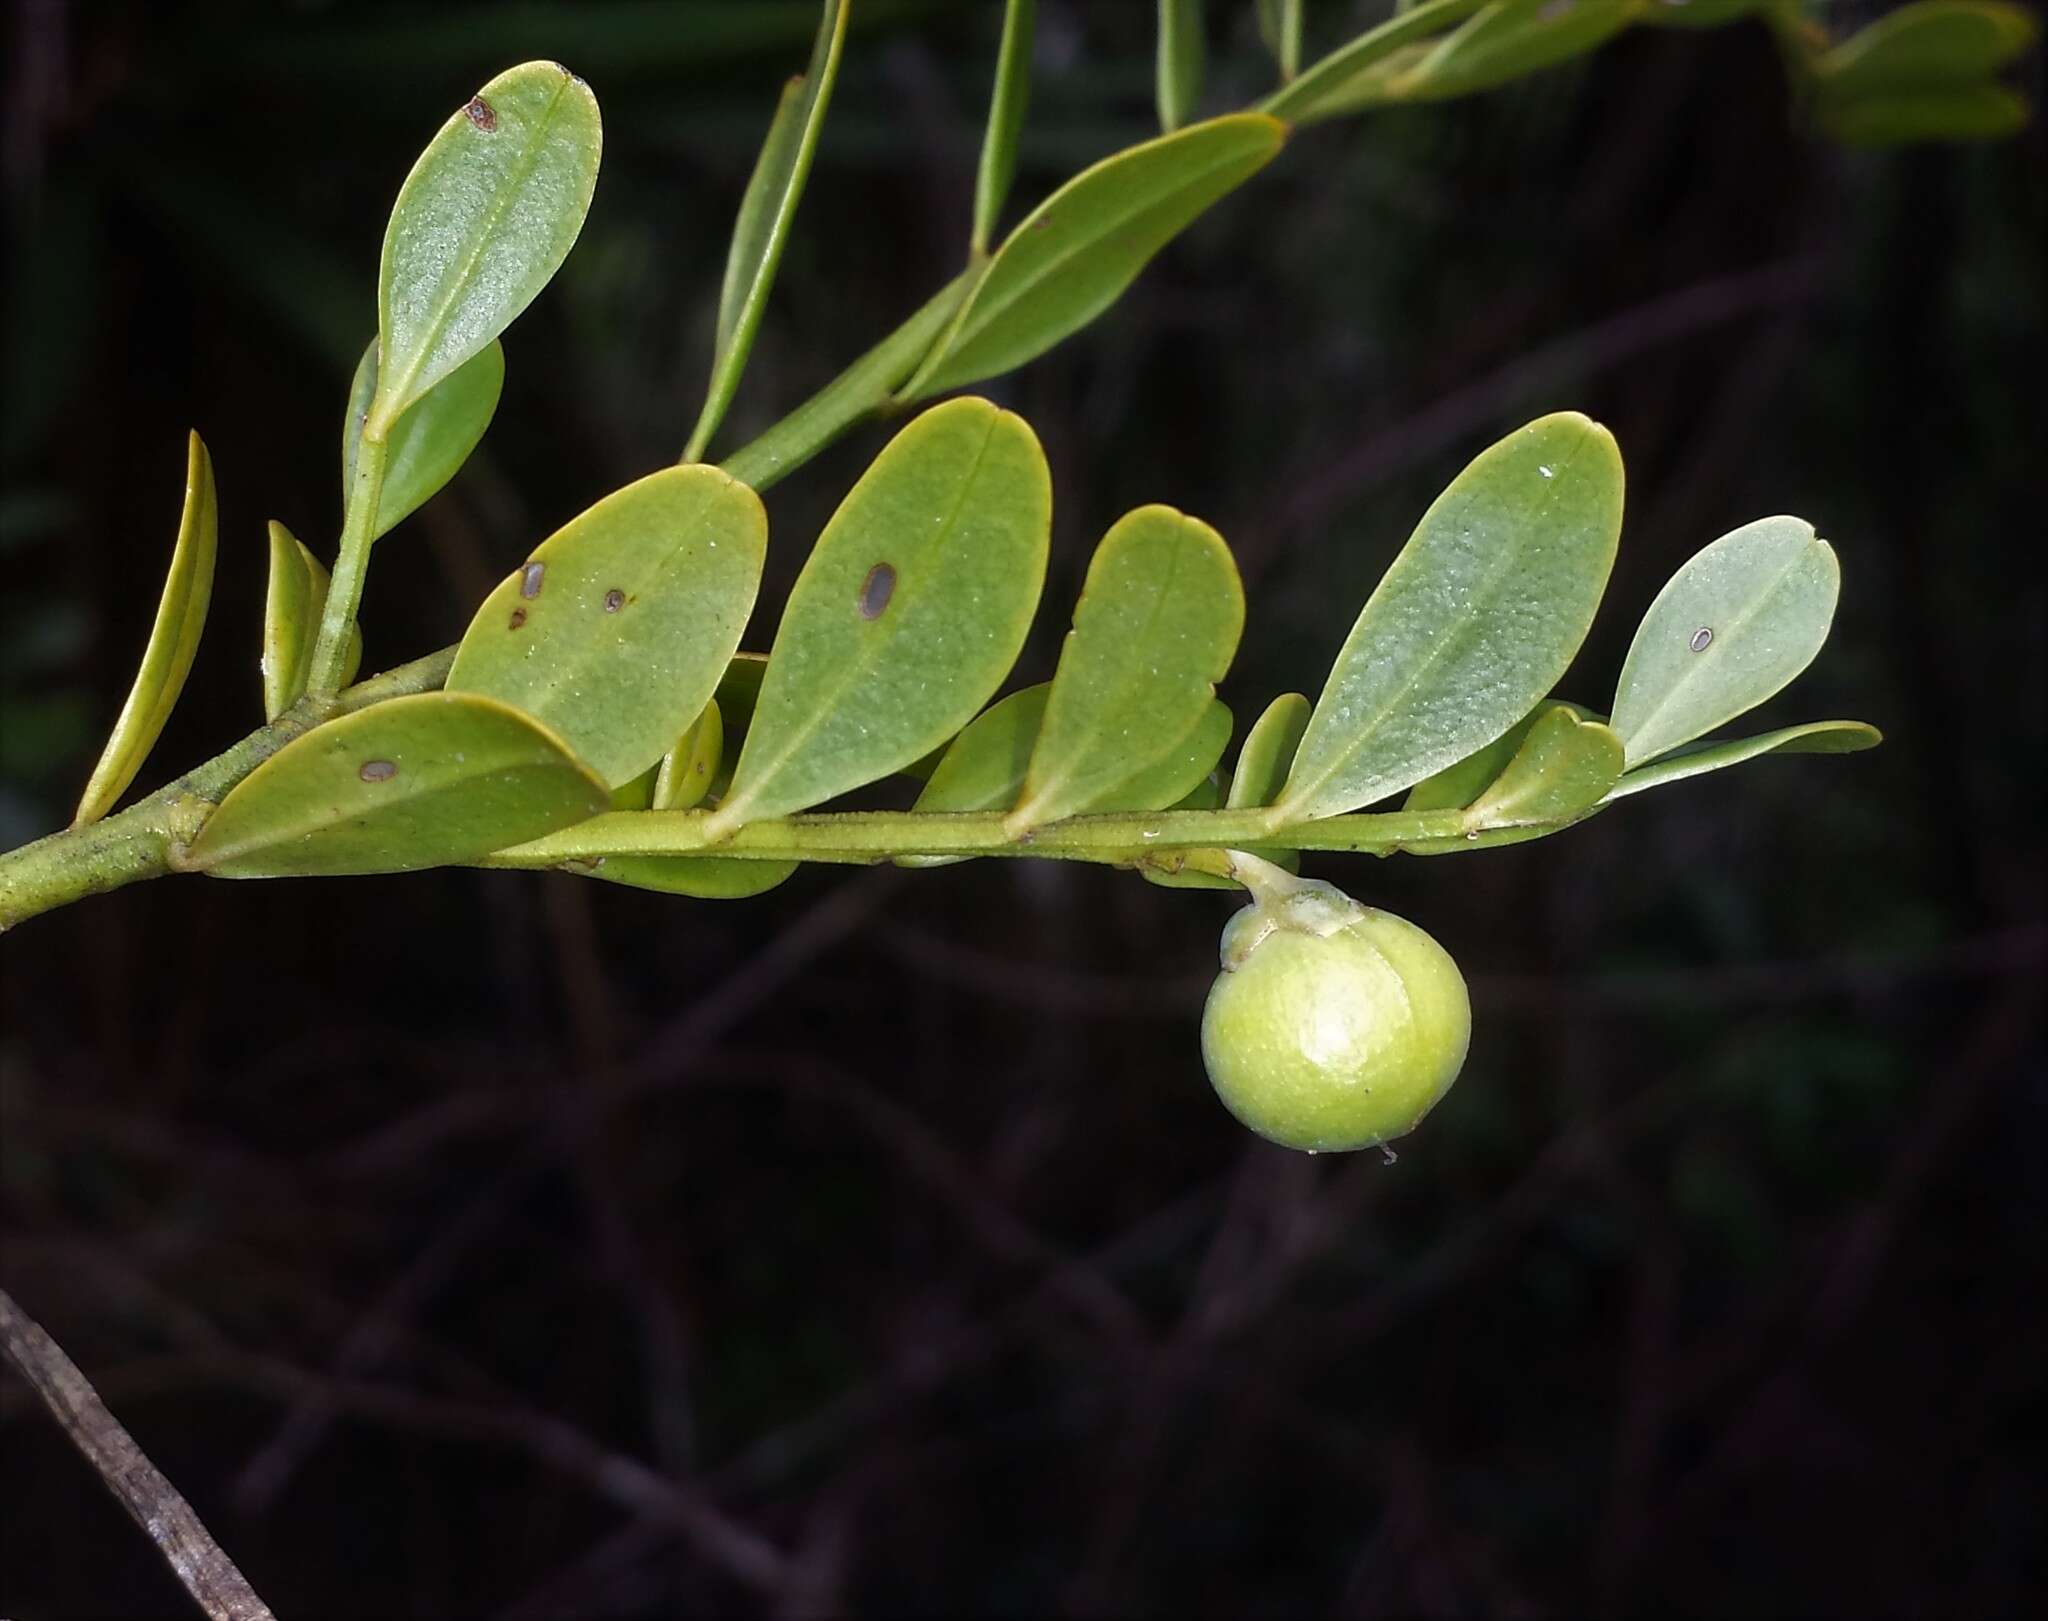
(136, 843)
(351, 565)
(155, 1504)
(870, 836)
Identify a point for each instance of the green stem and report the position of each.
(351, 564)
(865, 388)
(870, 836)
(136, 843)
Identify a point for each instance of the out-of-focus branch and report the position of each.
(206, 1572)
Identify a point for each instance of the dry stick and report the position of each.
(206, 1572)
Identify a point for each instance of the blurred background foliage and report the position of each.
(467, 1244)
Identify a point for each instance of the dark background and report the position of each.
(481, 1244)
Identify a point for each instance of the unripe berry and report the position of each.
(1332, 1026)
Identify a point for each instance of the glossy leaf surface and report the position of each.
(1075, 254)
(1733, 626)
(1180, 62)
(428, 445)
(1012, 92)
(619, 627)
(173, 642)
(767, 211)
(291, 622)
(1472, 624)
(1156, 627)
(422, 781)
(1564, 766)
(909, 612)
(482, 223)
(1816, 737)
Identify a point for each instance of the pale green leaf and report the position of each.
(1930, 45)
(1985, 112)
(1509, 39)
(1733, 626)
(1280, 30)
(983, 768)
(1155, 630)
(173, 642)
(1472, 624)
(480, 226)
(1182, 50)
(704, 878)
(618, 628)
(1006, 105)
(688, 770)
(1327, 88)
(767, 211)
(422, 781)
(1816, 737)
(291, 623)
(428, 445)
(1463, 781)
(1564, 767)
(1176, 774)
(908, 613)
(1268, 751)
(1073, 256)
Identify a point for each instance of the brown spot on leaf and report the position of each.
(530, 579)
(1701, 638)
(518, 618)
(377, 771)
(614, 600)
(876, 590)
(481, 113)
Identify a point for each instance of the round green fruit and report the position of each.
(1332, 1026)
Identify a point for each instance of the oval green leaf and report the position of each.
(1563, 767)
(1268, 751)
(689, 769)
(1181, 65)
(1332, 86)
(1156, 627)
(1463, 781)
(1073, 256)
(1984, 112)
(291, 622)
(704, 878)
(428, 445)
(1816, 737)
(1472, 624)
(1508, 39)
(619, 627)
(480, 226)
(908, 613)
(1174, 776)
(421, 781)
(1934, 44)
(983, 768)
(1006, 103)
(173, 642)
(766, 212)
(1733, 626)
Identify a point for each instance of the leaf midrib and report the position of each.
(1432, 658)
